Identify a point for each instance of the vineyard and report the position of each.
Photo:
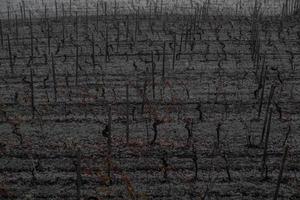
(147, 99)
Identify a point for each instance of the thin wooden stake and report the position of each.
(227, 167)
(115, 9)
(174, 52)
(153, 76)
(161, 7)
(105, 12)
(49, 37)
(21, 11)
(264, 71)
(17, 28)
(24, 10)
(281, 172)
(267, 110)
(10, 55)
(31, 35)
(144, 96)
(70, 8)
(106, 45)
(54, 78)
(32, 93)
(78, 174)
(264, 166)
(8, 18)
(93, 52)
(45, 13)
(86, 16)
(1, 34)
(180, 46)
(77, 65)
(164, 58)
(195, 160)
(136, 25)
(109, 143)
(218, 134)
(56, 14)
(76, 27)
(127, 113)
(127, 28)
(118, 36)
(63, 22)
(97, 17)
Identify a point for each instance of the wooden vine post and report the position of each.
(281, 172)
(77, 65)
(78, 174)
(32, 93)
(54, 78)
(127, 114)
(109, 144)
(153, 75)
(10, 55)
(164, 60)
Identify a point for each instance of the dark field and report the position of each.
(149, 105)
